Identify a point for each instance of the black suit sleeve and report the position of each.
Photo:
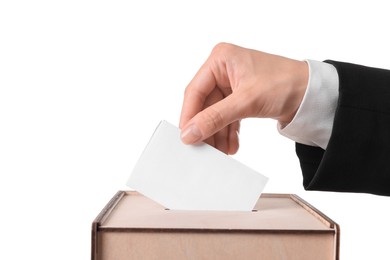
(357, 158)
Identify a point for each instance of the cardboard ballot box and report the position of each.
(282, 226)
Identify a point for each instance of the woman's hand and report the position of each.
(236, 83)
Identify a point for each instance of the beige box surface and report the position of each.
(282, 226)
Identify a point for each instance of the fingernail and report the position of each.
(191, 134)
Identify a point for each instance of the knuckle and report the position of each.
(187, 91)
(222, 48)
(213, 120)
(194, 95)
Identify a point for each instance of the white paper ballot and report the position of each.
(193, 177)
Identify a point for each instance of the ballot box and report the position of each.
(281, 226)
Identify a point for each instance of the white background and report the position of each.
(84, 83)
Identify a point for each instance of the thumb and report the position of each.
(213, 119)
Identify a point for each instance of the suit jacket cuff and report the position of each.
(357, 156)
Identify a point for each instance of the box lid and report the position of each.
(273, 213)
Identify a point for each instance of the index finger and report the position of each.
(196, 94)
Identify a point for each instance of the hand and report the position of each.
(236, 83)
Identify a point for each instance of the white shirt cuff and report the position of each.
(313, 122)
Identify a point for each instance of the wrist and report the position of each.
(313, 122)
(298, 81)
